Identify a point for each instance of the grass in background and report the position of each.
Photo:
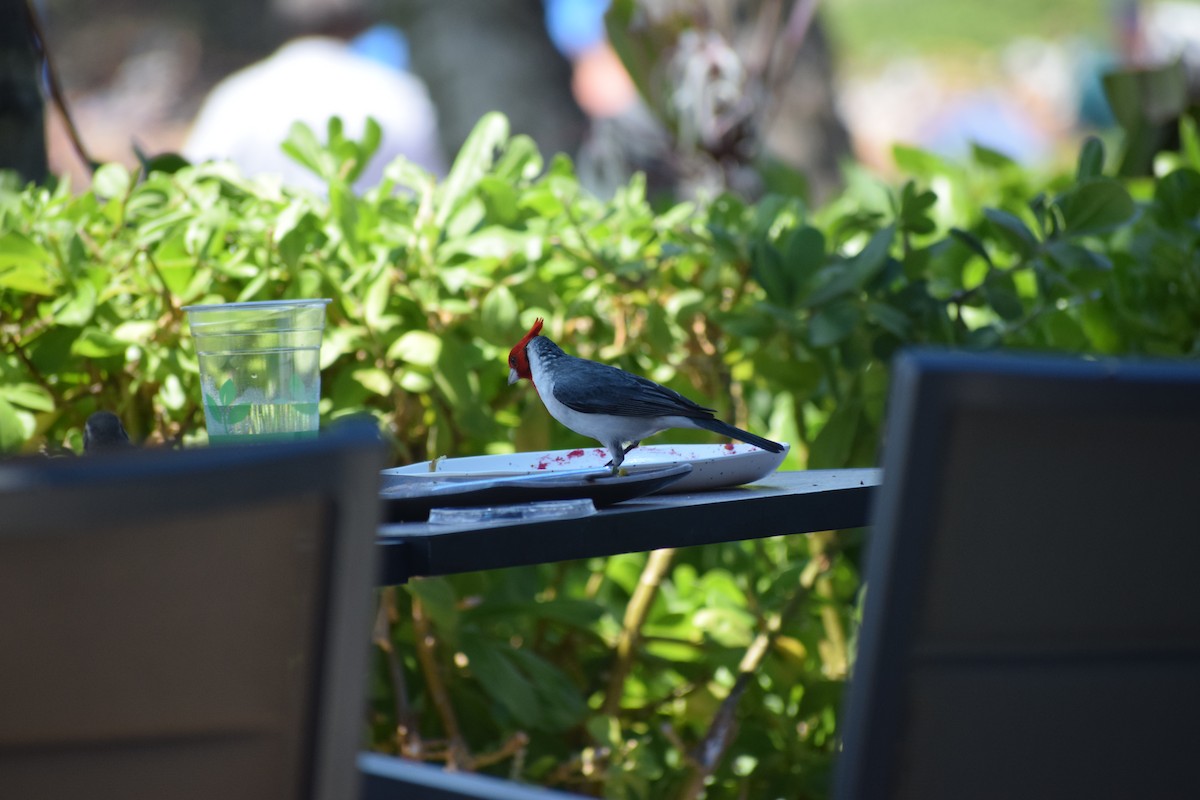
(867, 32)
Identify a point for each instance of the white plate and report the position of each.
(713, 465)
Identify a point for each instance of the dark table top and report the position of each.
(781, 503)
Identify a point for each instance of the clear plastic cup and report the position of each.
(260, 368)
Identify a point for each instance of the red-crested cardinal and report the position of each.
(612, 406)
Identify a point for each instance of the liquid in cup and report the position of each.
(260, 370)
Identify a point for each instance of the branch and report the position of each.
(172, 309)
(834, 651)
(515, 744)
(55, 87)
(15, 347)
(631, 626)
(579, 768)
(458, 756)
(705, 757)
(408, 737)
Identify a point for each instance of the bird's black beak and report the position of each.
(513, 377)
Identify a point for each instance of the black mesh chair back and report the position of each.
(187, 624)
(1031, 623)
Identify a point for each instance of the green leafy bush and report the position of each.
(635, 676)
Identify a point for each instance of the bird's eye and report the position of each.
(512, 361)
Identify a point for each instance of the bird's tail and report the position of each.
(725, 429)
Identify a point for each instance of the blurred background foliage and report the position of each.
(638, 676)
(706, 262)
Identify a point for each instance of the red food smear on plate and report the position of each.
(547, 460)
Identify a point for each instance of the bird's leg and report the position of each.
(618, 454)
(631, 445)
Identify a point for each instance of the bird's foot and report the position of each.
(618, 458)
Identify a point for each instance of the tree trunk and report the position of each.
(22, 114)
(493, 56)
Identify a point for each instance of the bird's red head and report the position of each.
(518, 360)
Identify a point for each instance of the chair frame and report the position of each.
(928, 386)
(343, 466)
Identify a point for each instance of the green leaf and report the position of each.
(376, 302)
(111, 180)
(1091, 160)
(1147, 102)
(871, 260)
(12, 430)
(803, 255)
(1072, 258)
(766, 265)
(1096, 206)
(493, 241)
(831, 449)
(1013, 231)
(543, 201)
(415, 382)
(1001, 294)
(890, 319)
(227, 393)
(1177, 198)
(416, 347)
(728, 627)
(52, 351)
(374, 380)
(831, 284)
(1101, 329)
(521, 160)
(76, 306)
(833, 323)
(136, 331)
(973, 243)
(97, 343)
(506, 685)
(166, 163)
(914, 209)
(408, 175)
(440, 601)
(920, 163)
(987, 157)
(25, 265)
(369, 144)
(27, 395)
(474, 159)
(302, 146)
(499, 314)
(562, 707)
(176, 265)
(500, 199)
(1189, 141)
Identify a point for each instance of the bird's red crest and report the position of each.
(517, 359)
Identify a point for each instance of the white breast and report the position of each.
(610, 430)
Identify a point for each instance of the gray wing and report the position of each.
(592, 388)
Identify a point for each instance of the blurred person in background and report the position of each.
(339, 64)
(747, 97)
